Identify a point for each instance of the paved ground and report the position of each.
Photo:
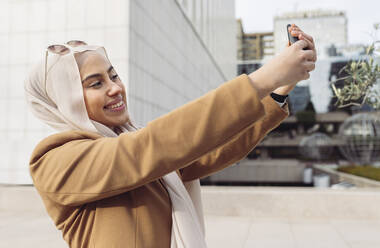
(236, 217)
(241, 232)
(33, 230)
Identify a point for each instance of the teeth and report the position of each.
(116, 105)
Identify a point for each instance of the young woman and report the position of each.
(107, 184)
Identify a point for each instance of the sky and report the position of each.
(258, 15)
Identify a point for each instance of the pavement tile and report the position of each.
(20, 230)
(318, 234)
(359, 233)
(270, 234)
(226, 231)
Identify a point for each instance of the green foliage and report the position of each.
(361, 78)
(362, 171)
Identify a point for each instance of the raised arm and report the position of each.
(280, 76)
(239, 146)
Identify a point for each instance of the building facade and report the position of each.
(167, 52)
(254, 46)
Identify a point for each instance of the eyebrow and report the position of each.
(97, 74)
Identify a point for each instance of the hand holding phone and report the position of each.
(292, 39)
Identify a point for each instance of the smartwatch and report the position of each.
(280, 99)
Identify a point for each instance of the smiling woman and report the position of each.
(107, 184)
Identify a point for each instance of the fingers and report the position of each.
(302, 36)
(301, 44)
(310, 55)
(311, 46)
(297, 32)
(297, 29)
(293, 27)
(308, 37)
(294, 30)
(309, 66)
(307, 58)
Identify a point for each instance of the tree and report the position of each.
(360, 80)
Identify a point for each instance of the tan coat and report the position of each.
(107, 192)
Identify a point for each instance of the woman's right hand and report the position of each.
(292, 65)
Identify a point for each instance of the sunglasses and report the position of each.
(61, 50)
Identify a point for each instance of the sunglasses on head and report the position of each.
(62, 49)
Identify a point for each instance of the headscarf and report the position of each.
(54, 94)
(56, 97)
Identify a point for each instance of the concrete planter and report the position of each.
(337, 177)
(292, 203)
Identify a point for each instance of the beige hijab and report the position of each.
(54, 93)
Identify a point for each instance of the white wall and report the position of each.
(158, 54)
(27, 26)
(169, 64)
(215, 23)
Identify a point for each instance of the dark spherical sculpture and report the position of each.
(359, 138)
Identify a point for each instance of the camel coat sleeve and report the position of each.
(81, 170)
(240, 145)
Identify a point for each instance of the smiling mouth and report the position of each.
(116, 107)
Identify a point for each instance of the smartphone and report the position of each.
(291, 38)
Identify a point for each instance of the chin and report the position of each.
(119, 122)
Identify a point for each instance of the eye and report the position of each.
(114, 77)
(96, 84)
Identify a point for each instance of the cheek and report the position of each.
(94, 103)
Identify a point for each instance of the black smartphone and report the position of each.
(291, 38)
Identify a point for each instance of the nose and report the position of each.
(114, 88)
